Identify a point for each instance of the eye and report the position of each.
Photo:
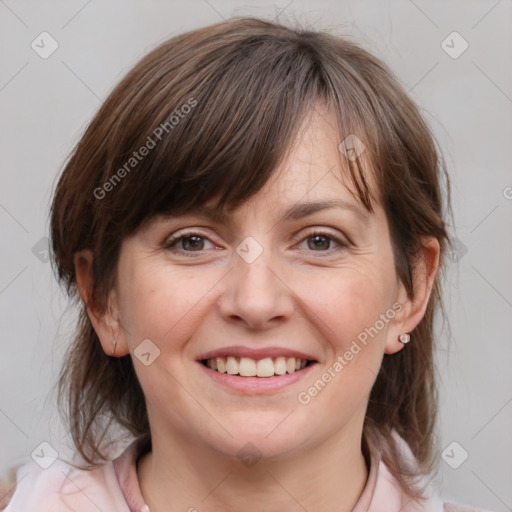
(190, 242)
(319, 241)
(194, 242)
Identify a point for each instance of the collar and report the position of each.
(381, 493)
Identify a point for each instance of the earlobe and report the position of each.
(104, 320)
(424, 272)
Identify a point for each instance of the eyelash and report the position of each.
(173, 241)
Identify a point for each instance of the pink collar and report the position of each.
(381, 492)
(125, 467)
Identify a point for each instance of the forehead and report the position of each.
(314, 176)
(320, 158)
(316, 166)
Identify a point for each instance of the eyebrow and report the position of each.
(301, 210)
(295, 212)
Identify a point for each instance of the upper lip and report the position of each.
(255, 353)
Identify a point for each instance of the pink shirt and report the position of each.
(113, 486)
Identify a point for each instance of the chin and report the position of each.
(263, 435)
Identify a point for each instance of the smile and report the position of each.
(256, 371)
(248, 367)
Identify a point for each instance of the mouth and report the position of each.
(262, 368)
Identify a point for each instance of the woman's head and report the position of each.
(221, 136)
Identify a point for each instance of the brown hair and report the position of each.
(248, 84)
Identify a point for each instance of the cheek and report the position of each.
(165, 306)
(349, 300)
(354, 350)
(355, 309)
(162, 304)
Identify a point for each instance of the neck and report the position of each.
(179, 475)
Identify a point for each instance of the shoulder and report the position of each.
(388, 491)
(62, 488)
(7, 486)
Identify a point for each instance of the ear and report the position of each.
(105, 322)
(413, 309)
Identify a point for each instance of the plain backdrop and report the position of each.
(466, 97)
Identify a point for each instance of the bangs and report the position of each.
(216, 124)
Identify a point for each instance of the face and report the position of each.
(263, 293)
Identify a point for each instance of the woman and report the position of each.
(253, 228)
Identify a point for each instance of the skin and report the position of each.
(316, 299)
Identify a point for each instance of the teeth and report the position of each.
(232, 366)
(221, 365)
(247, 367)
(265, 367)
(280, 366)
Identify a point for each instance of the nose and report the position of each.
(256, 293)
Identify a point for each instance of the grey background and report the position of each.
(46, 103)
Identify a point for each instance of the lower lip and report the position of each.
(257, 385)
